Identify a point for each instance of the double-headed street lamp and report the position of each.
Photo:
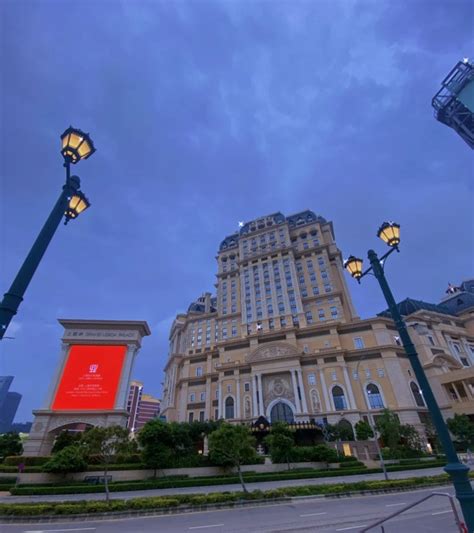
(76, 145)
(389, 232)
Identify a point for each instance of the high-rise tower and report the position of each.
(281, 339)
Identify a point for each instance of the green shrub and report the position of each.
(15, 460)
(159, 502)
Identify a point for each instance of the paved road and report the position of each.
(6, 498)
(320, 515)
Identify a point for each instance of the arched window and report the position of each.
(415, 390)
(281, 413)
(375, 398)
(339, 398)
(229, 407)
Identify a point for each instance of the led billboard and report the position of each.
(90, 379)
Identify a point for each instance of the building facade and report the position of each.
(443, 335)
(9, 402)
(281, 339)
(141, 407)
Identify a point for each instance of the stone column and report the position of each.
(237, 397)
(208, 408)
(260, 395)
(350, 393)
(219, 398)
(303, 395)
(325, 391)
(122, 394)
(254, 397)
(295, 389)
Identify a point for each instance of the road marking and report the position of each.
(202, 527)
(395, 504)
(442, 512)
(352, 527)
(49, 530)
(311, 514)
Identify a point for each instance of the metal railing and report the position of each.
(460, 525)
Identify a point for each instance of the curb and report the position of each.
(200, 508)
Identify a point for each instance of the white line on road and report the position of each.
(202, 527)
(352, 527)
(49, 530)
(311, 514)
(395, 504)
(442, 512)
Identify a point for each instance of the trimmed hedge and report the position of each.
(15, 460)
(202, 481)
(165, 502)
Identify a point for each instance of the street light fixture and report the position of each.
(76, 145)
(77, 204)
(389, 232)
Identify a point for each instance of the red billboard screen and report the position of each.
(90, 378)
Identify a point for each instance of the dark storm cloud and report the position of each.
(207, 113)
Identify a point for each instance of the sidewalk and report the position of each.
(265, 485)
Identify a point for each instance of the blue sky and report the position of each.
(206, 113)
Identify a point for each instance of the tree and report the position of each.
(106, 443)
(10, 444)
(363, 430)
(281, 442)
(388, 426)
(463, 430)
(156, 439)
(411, 438)
(232, 446)
(64, 439)
(69, 459)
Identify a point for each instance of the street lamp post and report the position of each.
(390, 233)
(76, 145)
(372, 426)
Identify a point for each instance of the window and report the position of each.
(334, 376)
(311, 379)
(321, 314)
(191, 417)
(417, 394)
(358, 342)
(199, 371)
(229, 388)
(283, 322)
(202, 396)
(375, 398)
(217, 393)
(339, 398)
(315, 291)
(431, 340)
(309, 317)
(229, 407)
(367, 373)
(381, 372)
(334, 312)
(271, 323)
(192, 397)
(247, 387)
(201, 416)
(216, 414)
(397, 340)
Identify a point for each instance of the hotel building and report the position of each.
(281, 339)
